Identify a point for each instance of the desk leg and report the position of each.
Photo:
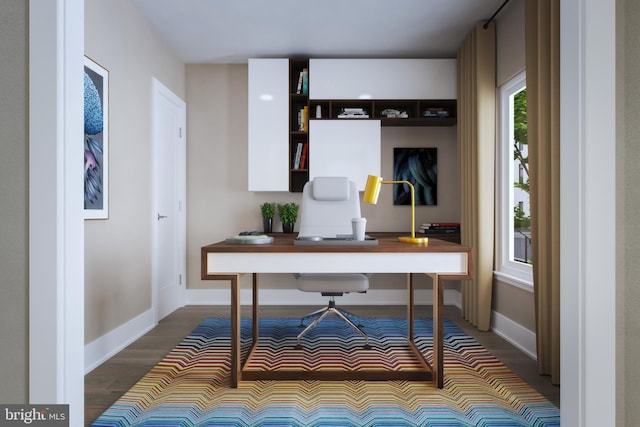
(256, 333)
(438, 330)
(410, 308)
(236, 366)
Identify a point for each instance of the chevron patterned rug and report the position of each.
(190, 386)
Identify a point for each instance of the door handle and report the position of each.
(161, 217)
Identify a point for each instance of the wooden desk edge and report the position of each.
(284, 244)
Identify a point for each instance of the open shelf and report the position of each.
(411, 112)
(298, 124)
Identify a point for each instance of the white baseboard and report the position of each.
(517, 335)
(286, 297)
(105, 347)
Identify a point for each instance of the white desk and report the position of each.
(439, 259)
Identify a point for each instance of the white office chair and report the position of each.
(328, 205)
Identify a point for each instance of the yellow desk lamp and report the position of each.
(371, 193)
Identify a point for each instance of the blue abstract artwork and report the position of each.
(419, 166)
(96, 141)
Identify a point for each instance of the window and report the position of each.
(514, 222)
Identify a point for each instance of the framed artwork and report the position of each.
(419, 166)
(96, 141)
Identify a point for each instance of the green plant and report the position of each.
(521, 137)
(520, 220)
(288, 212)
(268, 210)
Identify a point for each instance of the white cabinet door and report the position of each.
(382, 79)
(268, 149)
(348, 148)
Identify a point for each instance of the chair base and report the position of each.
(324, 312)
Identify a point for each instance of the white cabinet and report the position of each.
(382, 79)
(268, 149)
(348, 148)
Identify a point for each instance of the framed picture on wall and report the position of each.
(419, 166)
(96, 141)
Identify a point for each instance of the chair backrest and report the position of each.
(328, 205)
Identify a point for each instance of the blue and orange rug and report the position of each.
(190, 386)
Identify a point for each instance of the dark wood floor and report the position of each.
(105, 384)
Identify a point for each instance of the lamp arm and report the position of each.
(413, 204)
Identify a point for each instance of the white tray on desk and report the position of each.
(250, 240)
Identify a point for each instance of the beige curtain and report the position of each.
(542, 25)
(476, 158)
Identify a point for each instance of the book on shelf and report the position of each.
(439, 224)
(303, 157)
(298, 156)
(436, 112)
(305, 81)
(299, 85)
(391, 113)
(303, 119)
(440, 228)
(353, 113)
(436, 231)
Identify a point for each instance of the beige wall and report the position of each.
(14, 196)
(628, 232)
(515, 303)
(118, 250)
(218, 201)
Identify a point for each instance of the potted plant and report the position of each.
(268, 211)
(288, 215)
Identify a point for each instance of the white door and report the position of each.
(169, 192)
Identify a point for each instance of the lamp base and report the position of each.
(409, 239)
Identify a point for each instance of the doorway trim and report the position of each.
(56, 205)
(57, 36)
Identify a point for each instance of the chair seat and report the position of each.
(333, 282)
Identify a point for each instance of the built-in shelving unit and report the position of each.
(298, 126)
(418, 112)
(396, 89)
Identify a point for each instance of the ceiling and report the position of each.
(230, 31)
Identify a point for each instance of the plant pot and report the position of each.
(287, 227)
(267, 225)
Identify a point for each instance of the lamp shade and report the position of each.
(372, 189)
